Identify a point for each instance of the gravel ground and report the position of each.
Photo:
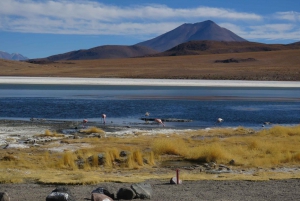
(190, 190)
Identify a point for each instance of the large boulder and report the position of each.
(142, 190)
(125, 194)
(4, 196)
(100, 197)
(60, 194)
(101, 190)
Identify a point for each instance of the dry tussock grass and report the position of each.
(277, 146)
(93, 130)
(48, 133)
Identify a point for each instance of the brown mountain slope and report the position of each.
(269, 65)
(222, 47)
(101, 52)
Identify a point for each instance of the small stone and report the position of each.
(173, 180)
(4, 196)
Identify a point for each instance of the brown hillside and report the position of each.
(270, 65)
(100, 52)
(223, 47)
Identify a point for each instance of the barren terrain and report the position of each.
(273, 65)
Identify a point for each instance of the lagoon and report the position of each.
(124, 105)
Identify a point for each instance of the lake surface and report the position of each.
(125, 105)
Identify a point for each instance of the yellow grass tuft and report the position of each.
(281, 131)
(48, 133)
(93, 130)
(168, 146)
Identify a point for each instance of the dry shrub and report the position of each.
(48, 133)
(254, 144)
(108, 160)
(93, 130)
(138, 158)
(209, 153)
(169, 146)
(150, 158)
(281, 131)
(9, 158)
(130, 161)
(69, 160)
(114, 153)
(95, 161)
(296, 157)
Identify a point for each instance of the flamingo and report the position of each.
(84, 123)
(159, 121)
(103, 118)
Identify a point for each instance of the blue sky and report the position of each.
(41, 28)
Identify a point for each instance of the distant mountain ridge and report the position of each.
(207, 30)
(100, 52)
(13, 56)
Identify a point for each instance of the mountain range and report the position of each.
(207, 30)
(188, 39)
(13, 56)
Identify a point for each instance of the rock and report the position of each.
(101, 158)
(173, 180)
(100, 197)
(60, 194)
(101, 190)
(4, 196)
(124, 153)
(125, 194)
(142, 190)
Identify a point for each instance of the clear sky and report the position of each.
(41, 28)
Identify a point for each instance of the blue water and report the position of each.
(248, 107)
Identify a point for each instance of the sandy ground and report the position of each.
(280, 190)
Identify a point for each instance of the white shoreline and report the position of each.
(146, 82)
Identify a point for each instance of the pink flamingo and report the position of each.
(84, 123)
(103, 118)
(159, 121)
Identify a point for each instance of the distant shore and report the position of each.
(146, 82)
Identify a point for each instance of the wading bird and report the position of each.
(159, 121)
(219, 120)
(84, 123)
(103, 118)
